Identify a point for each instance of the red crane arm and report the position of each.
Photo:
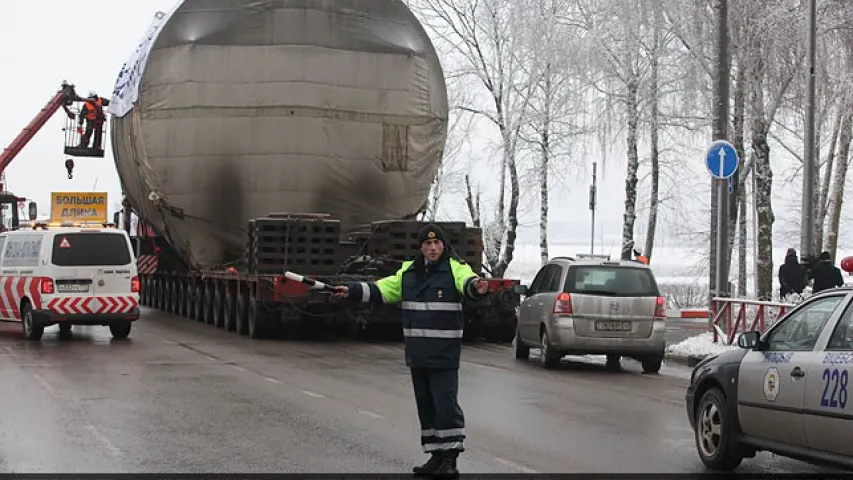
(63, 98)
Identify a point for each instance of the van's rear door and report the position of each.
(102, 265)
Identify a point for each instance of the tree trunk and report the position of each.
(654, 140)
(630, 214)
(826, 181)
(510, 232)
(837, 198)
(742, 236)
(545, 146)
(473, 202)
(763, 194)
(738, 116)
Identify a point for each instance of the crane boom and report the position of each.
(65, 97)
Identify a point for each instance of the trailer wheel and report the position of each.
(189, 300)
(229, 312)
(143, 291)
(178, 297)
(199, 302)
(508, 329)
(146, 291)
(181, 301)
(168, 294)
(154, 295)
(209, 292)
(218, 306)
(242, 314)
(258, 318)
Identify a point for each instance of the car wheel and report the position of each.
(713, 433)
(120, 330)
(32, 329)
(522, 351)
(652, 364)
(614, 362)
(547, 356)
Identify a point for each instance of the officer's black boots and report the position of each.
(430, 466)
(447, 467)
(439, 464)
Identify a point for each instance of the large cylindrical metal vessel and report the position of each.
(232, 109)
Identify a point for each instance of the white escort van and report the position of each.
(68, 276)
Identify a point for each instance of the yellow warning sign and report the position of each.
(78, 207)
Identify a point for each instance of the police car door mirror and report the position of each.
(749, 340)
(33, 210)
(520, 289)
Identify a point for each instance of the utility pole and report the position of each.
(592, 209)
(720, 132)
(808, 211)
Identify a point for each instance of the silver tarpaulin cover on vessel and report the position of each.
(232, 109)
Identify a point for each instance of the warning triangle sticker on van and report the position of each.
(64, 243)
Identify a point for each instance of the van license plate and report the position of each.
(71, 288)
(613, 326)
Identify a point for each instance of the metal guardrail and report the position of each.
(751, 316)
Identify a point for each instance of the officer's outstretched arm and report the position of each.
(465, 279)
(386, 290)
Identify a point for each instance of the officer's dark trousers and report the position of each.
(442, 421)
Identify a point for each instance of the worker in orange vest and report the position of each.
(93, 112)
(640, 257)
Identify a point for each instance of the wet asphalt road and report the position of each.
(185, 397)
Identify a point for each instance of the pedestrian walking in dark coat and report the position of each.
(825, 274)
(793, 277)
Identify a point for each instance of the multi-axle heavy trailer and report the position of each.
(252, 297)
(297, 106)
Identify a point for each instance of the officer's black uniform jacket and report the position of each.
(431, 300)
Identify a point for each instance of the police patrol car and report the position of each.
(61, 275)
(785, 391)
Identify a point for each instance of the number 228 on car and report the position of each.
(784, 390)
(68, 276)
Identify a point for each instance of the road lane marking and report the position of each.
(312, 394)
(370, 414)
(487, 367)
(9, 349)
(238, 368)
(516, 466)
(101, 438)
(43, 382)
(272, 380)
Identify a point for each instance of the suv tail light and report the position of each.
(134, 285)
(563, 305)
(47, 286)
(660, 308)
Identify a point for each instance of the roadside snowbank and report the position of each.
(698, 346)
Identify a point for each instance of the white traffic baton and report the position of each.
(314, 284)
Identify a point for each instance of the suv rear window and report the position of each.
(90, 249)
(611, 281)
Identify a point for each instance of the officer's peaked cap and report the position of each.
(431, 232)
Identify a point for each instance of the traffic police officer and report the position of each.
(430, 290)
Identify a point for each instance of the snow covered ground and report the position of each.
(698, 346)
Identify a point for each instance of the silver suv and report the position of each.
(592, 307)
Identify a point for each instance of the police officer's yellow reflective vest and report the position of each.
(431, 308)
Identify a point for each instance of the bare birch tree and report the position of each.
(484, 34)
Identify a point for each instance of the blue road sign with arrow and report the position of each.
(721, 159)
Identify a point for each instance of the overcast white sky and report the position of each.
(45, 42)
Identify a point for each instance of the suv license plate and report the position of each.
(613, 326)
